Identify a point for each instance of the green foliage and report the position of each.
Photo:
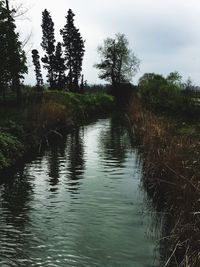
(14, 129)
(118, 63)
(74, 51)
(12, 56)
(81, 105)
(48, 44)
(164, 94)
(10, 149)
(174, 78)
(59, 66)
(45, 113)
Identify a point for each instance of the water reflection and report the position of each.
(78, 204)
(16, 192)
(15, 207)
(54, 167)
(114, 141)
(75, 157)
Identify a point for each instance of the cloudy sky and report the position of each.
(163, 34)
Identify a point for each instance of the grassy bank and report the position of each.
(42, 116)
(171, 170)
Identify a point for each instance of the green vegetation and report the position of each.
(12, 56)
(81, 105)
(11, 144)
(54, 62)
(167, 95)
(45, 114)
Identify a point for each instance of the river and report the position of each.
(80, 203)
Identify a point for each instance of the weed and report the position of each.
(171, 171)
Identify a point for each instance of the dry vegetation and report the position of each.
(171, 170)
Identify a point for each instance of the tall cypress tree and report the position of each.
(36, 62)
(74, 51)
(78, 56)
(48, 44)
(59, 66)
(12, 58)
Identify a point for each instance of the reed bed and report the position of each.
(171, 176)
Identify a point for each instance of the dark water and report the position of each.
(79, 204)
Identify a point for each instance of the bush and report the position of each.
(10, 150)
(81, 105)
(53, 116)
(165, 94)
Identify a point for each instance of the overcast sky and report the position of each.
(163, 34)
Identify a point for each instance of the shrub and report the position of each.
(53, 116)
(165, 94)
(10, 150)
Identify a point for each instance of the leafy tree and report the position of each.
(188, 86)
(59, 66)
(12, 58)
(161, 93)
(74, 51)
(118, 63)
(174, 78)
(36, 62)
(149, 87)
(48, 44)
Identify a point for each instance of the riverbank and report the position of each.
(42, 116)
(171, 169)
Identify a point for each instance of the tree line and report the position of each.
(62, 60)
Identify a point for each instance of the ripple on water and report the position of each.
(78, 205)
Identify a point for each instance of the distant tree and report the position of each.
(59, 66)
(48, 44)
(161, 93)
(118, 63)
(153, 81)
(174, 78)
(12, 57)
(188, 86)
(36, 62)
(74, 51)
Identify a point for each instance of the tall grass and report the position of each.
(52, 117)
(171, 175)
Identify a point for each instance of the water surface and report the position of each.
(79, 204)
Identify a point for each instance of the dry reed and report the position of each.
(171, 172)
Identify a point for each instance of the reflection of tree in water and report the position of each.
(114, 141)
(15, 208)
(16, 195)
(57, 150)
(76, 159)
